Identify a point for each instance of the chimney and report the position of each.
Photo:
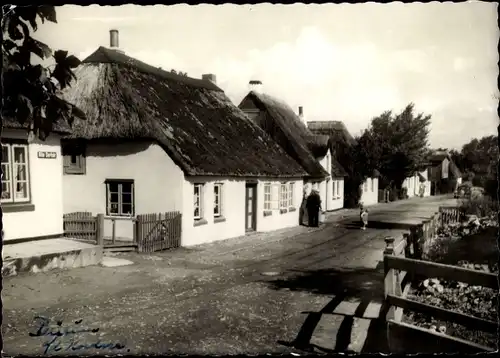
(301, 114)
(113, 41)
(255, 85)
(209, 77)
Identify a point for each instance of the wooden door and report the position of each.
(251, 207)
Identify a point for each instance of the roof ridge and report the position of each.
(122, 59)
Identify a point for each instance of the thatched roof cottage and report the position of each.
(158, 141)
(341, 142)
(289, 130)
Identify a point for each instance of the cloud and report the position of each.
(348, 82)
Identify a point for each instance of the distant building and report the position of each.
(341, 141)
(444, 175)
(311, 151)
(418, 184)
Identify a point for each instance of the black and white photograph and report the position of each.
(292, 179)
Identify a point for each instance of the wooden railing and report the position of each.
(399, 272)
(451, 214)
(421, 236)
(114, 220)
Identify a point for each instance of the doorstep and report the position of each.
(49, 254)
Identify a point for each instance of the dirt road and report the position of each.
(277, 292)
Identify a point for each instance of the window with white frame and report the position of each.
(267, 197)
(283, 196)
(373, 184)
(290, 194)
(217, 200)
(334, 189)
(120, 197)
(15, 181)
(198, 201)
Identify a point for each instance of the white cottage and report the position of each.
(369, 190)
(289, 129)
(418, 184)
(32, 203)
(156, 141)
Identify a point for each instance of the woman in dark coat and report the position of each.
(313, 207)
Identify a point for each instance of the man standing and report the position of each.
(313, 207)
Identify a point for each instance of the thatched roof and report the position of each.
(192, 119)
(318, 145)
(336, 130)
(286, 128)
(60, 126)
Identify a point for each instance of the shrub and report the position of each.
(479, 205)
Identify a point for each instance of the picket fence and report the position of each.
(150, 232)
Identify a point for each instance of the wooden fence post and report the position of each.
(113, 235)
(134, 231)
(407, 240)
(100, 229)
(389, 246)
(139, 232)
(418, 241)
(390, 277)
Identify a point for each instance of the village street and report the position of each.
(319, 288)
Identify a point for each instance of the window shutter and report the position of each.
(275, 196)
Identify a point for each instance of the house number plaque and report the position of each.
(47, 155)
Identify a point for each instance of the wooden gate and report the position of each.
(156, 232)
(81, 226)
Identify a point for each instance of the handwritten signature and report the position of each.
(66, 337)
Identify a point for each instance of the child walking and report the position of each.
(364, 217)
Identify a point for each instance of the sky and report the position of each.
(346, 62)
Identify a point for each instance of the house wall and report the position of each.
(369, 192)
(330, 200)
(445, 168)
(413, 184)
(45, 180)
(158, 182)
(233, 210)
(337, 198)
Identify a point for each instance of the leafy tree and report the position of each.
(395, 144)
(31, 92)
(479, 159)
